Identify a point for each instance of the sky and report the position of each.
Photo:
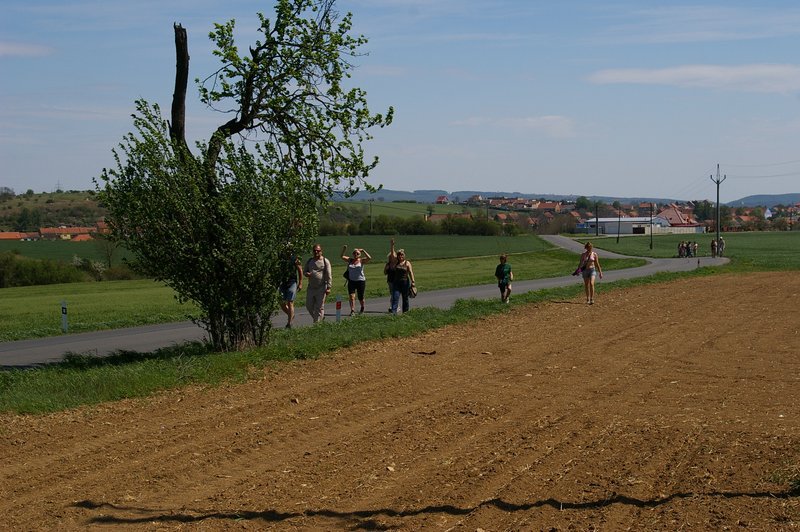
(618, 98)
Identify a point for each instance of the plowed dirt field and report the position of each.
(666, 407)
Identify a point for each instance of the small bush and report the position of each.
(95, 269)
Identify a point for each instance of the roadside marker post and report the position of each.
(338, 308)
(64, 324)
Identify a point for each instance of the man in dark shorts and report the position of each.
(292, 283)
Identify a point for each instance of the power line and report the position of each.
(759, 165)
(763, 176)
(692, 189)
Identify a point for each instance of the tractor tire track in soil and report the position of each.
(660, 407)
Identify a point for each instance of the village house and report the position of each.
(646, 208)
(74, 234)
(549, 206)
(638, 225)
(678, 217)
(64, 233)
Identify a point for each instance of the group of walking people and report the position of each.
(399, 279)
(687, 249)
(717, 247)
(317, 272)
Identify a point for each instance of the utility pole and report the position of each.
(718, 181)
(619, 222)
(596, 220)
(651, 225)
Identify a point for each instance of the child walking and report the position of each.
(504, 277)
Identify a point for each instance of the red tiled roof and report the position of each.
(549, 205)
(66, 230)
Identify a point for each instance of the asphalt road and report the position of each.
(26, 353)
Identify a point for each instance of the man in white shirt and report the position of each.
(318, 272)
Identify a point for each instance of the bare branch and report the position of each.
(177, 128)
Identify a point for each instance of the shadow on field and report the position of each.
(367, 517)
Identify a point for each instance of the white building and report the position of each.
(630, 225)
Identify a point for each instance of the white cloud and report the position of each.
(553, 126)
(746, 78)
(15, 49)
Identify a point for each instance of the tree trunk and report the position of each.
(177, 128)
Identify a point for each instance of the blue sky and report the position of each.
(588, 97)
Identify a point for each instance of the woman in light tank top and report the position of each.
(356, 280)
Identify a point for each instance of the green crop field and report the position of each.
(402, 209)
(433, 246)
(771, 250)
(63, 250)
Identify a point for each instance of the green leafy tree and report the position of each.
(6, 193)
(780, 224)
(704, 210)
(584, 204)
(28, 219)
(218, 225)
